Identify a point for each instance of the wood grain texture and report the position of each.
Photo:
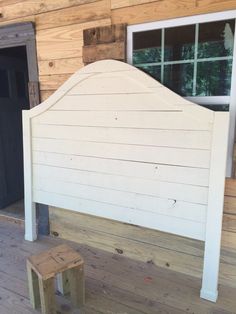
(229, 223)
(155, 11)
(116, 4)
(60, 66)
(74, 15)
(104, 34)
(113, 281)
(104, 51)
(230, 187)
(64, 42)
(230, 205)
(165, 250)
(52, 82)
(49, 263)
(207, 6)
(160, 10)
(18, 9)
(45, 94)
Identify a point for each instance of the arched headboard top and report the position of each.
(115, 143)
(114, 77)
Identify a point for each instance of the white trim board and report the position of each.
(89, 148)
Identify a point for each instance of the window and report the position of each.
(193, 56)
(192, 60)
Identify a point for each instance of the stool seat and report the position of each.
(42, 270)
(56, 260)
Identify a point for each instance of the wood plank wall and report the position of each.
(60, 25)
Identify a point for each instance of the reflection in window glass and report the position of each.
(20, 84)
(179, 78)
(179, 43)
(147, 55)
(154, 71)
(4, 84)
(216, 39)
(214, 78)
(147, 47)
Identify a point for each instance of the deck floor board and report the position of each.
(114, 284)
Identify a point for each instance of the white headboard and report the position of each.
(115, 143)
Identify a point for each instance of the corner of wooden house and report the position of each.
(117, 162)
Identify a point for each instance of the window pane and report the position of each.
(214, 78)
(179, 43)
(216, 39)
(148, 55)
(179, 78)
(147, 47)
(4, 84)
(154, 71)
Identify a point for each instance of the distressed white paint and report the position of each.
(30, 208)
(209, 289)
(114, 143)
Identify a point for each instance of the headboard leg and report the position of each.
(30, 221)
(209, 290)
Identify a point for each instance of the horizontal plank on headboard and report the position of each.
(164, 155)
(124, 200)
(180, 226)
(114, 183)
(116, 102)
(142, 170)
(156, 120)
(153, 137)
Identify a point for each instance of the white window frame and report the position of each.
(198, 19)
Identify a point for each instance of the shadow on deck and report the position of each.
(114, 284)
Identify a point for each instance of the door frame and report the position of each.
(23, 34)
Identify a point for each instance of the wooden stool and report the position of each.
(42, 270)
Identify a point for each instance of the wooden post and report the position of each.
(47, 296)
(33, 285)
(30, 208)
(63, 283)
(209, 289)
(76, 282)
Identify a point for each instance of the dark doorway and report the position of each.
(14, 97)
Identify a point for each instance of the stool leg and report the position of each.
(76, 283)
(33, 285)
(47, 296)
(63, 283)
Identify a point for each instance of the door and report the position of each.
(13, 99)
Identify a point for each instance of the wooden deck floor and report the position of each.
(114, 284)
